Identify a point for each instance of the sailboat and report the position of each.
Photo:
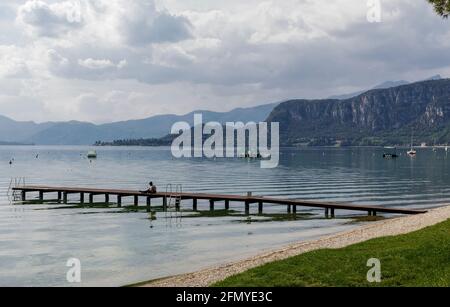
(412, 152)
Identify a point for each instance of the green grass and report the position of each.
(417, 259)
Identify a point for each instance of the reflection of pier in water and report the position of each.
(248, 200)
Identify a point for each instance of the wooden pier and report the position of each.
(248, 200)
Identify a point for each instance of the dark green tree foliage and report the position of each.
(442, 7)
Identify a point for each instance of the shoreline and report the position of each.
(384, 228)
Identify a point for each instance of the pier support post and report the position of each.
(327, 214)
(289, 209)
(59, 196)
(247, 207)
(165, 203)
(149, 204)
(374, 213)
(211, 205)
(136, 201)
(91, 199)
(227, 205)
(260, 207)
(107, 199)
(41, 196)
(24, 196)
(65, 197)
(332, 213)
(82, 198)
(294, 207)
(194, 204)
(119, 201)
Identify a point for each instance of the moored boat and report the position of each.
(390, 153)
(92, 154)
(412, 152)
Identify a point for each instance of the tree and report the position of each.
(442, 7)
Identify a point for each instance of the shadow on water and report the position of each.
(366, 219)
(186, 214)
(239, 216)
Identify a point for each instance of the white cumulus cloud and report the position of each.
(50, 20)
(99, 64)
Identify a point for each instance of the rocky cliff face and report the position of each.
(377, 117)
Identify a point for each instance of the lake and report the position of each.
(119, 246)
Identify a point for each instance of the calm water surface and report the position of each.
(118, 246)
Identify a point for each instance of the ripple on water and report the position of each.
(117, 249)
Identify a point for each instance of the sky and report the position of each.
(112, 60)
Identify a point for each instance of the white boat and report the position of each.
(92, 154)
(412, 152)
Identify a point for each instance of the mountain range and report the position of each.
(385, 115)
(377, 117)
(84, 133)
(384, 85)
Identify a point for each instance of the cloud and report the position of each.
(143, 24)
(181, 55)
(50, 20)
(137, 22)
(101, 64)
(12, 65)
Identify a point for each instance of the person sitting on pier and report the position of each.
(151, 189)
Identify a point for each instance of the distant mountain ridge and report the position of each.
(377, 117)
(84, 133)
(16, 131)
(385, 115)
(384, 85)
